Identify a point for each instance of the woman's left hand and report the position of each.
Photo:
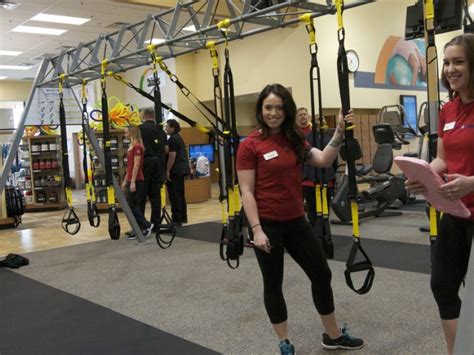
(133, 186)
(341, 121)
(457, 186)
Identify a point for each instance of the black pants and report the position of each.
(152, 186)
(132, 200)
(298, 238)
(450, 261)
(309, 196)
(179, 210)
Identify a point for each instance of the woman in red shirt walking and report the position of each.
(269, 166)
(134, 181)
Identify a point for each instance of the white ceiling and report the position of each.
(103, 13)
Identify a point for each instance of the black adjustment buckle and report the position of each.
(352, 267)
(114, 225)
(70, 222)
(93, 214)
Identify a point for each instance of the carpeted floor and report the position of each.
(186, 300)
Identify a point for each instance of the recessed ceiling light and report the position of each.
(471, 9)
(69, 20)
(15, 67)
(191, 28)
(3, 77)
(12, 53)
(39, 30)
(8, 5)
(155, 41)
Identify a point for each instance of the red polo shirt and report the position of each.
(135, 150)
(456, 127)
(277, 176)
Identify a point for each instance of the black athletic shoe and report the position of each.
(147, 232)
(130, 232)
(286, 348)
(131, 236)
(345, 341)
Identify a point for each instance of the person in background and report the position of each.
(269, 165)
(134, 181)
(303, 123)
(177, 168)
(156, 147)
(455, 163)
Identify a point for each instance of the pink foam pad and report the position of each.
(417, 169)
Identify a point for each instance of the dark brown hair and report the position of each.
(288, 126)
(466, 41)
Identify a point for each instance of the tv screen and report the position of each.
(448, 17)
(409, 105)
(197, 150)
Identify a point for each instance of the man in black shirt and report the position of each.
(156, 146)
(177, 168)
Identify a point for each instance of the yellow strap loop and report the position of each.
(61, 82)
(306, 18)
(111, 195)
(83, 90)
(429, 10)
(339, 5)
(211, 45)
(355, 219)
(69, 196)
(103, 69)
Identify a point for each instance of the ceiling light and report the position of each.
(15, 67)
(3, 77)
(191, 28)
(471, 9)
(8, 5)
(155, 41)
(39, 30)
(60, 19)
(12, 53)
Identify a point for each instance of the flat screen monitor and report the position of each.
(197, 150)
(409, 105)
(448, 17)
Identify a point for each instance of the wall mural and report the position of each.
(401, 65)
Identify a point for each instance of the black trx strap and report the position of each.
(114, 225)
(92, 211)
(322, 226)
(352, 148)
(150, 97)
(433, 103)
(169, 227)
(70, 221)
(232, 239)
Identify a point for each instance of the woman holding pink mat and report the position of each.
(455, 163)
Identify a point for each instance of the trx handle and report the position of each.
(92, 211)
(114, 225)
(168, 228)
(70, 222)
(351, 148)
(352, 267)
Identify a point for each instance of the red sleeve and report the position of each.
(247, 156)
(137, 150)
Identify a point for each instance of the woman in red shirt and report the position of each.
(269, 166)
(454, 161)
(134, 181)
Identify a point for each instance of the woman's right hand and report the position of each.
(261, 241)
(414, 186)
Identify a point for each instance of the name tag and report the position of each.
(449, 126)
(270, 155)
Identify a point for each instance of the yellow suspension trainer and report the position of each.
(114, 225)
(92, 211)
(351, 150)
(322, 225)
(70, 222)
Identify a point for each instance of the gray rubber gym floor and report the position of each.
(117, 297)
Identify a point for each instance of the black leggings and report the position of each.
(298, 238)
(450, 261)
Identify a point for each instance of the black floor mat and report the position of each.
(39, 319)
(387, 254)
